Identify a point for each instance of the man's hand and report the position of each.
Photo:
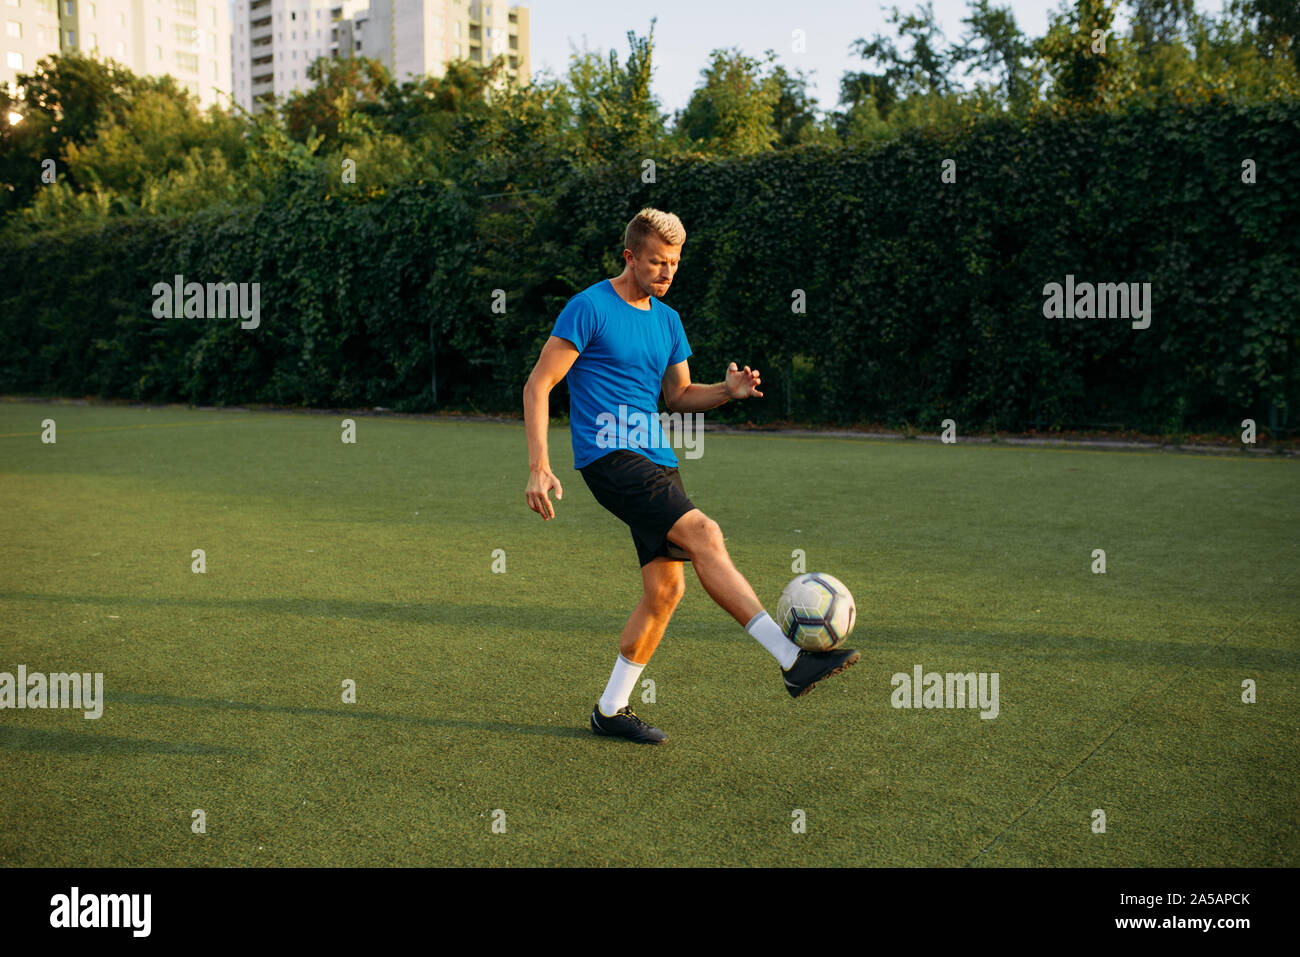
(742, 383)
(540, 482)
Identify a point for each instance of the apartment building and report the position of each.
(276, 40)
(419, 37)
(189, 39)
(264, 49)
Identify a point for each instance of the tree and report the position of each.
(922, 68)
(1079, 53)
(794, 114)
(152, 137)
(1160, 31)
(1276, 24)
(994, 42)
(732, 112)
(614, 110)
(341, 88)
(64, 103)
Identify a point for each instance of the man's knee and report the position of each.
(697, 533)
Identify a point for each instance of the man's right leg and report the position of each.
(701, 538)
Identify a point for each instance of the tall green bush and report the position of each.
(924, 298)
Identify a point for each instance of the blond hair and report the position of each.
(653, 222)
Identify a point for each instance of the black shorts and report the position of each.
(648, 497)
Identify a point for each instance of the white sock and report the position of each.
(768, 634)
(620, 686)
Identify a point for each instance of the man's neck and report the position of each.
(620, 284)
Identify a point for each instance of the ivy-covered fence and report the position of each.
(906, 284)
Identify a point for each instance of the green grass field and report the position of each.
(373, 562)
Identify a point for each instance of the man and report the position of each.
(620, 347)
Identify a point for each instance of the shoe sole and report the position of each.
(845, 665)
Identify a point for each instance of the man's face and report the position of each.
(655, 267)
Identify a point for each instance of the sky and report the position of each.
(688, 30)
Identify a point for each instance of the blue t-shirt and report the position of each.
(614, 384)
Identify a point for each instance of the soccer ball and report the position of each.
(816, 612)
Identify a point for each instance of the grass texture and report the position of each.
(373, 563)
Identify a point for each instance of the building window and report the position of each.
(186, 8)
(121, 19)
(15, 60)
(92, 11)
(187, 62)
(157, 24)
(14, 29)
(157, 53)
(94, 42)
(70, 8)
(72, 39)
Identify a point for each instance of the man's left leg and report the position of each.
(663, 584)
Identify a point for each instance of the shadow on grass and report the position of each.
(169, 701)
(1209, 651)
(72, 742)
(1034, 641)
(561, 618)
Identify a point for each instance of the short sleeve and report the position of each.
(577, 321)
(681, 348)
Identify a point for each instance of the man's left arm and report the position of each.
(682, 395)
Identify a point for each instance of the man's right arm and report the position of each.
(558, 356)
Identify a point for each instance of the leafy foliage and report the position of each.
(924, 298)
(385, 222)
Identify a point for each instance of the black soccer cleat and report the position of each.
(624, 724)
(811, 667)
